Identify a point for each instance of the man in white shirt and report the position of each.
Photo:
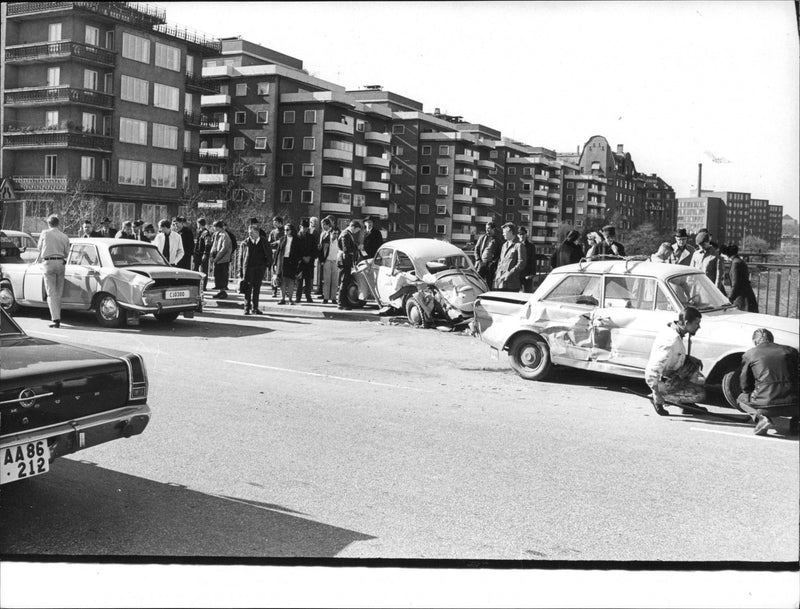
(169, 243)
(54, 248)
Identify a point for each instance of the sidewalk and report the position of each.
(268, 305)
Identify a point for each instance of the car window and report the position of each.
(383, 257)
(404, 263)
(29, 242)
(630, 292)
(696, 290)
(83, 254)
(135, 255)
(457, 261)
(662, 301)
(577, 289)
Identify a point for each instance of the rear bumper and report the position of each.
(75, 435)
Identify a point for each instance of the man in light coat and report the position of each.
(54, 248)
(682, 252)
(169, 242)
(513, 259)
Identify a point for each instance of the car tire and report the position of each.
(530, 357)
(731, 388)
(166, 317)
(415, 312)
(350, 296)
(8, 301)
(108, 312)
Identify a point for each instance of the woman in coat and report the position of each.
(742, 294)
(287, 262)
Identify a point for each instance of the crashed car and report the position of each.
(119, 279)
(430, 281)
(604, 316)
(28, 247)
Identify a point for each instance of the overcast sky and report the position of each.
(677, 83)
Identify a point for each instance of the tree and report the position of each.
(644, 240)
(751, 243)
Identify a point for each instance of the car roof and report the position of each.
(14, 233)
(424, 248)
(628, 266)
(108, 241)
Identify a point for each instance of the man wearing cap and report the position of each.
(706, 258)
(53, 248)
(88, 231)
(106, 230)
(169, 242)
(682, 252)
(608, 247)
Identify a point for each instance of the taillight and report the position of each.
(137, 377)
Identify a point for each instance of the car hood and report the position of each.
(740, 325)
(163, 272)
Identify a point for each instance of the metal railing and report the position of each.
(198, 82)
(58, 184)
(144, 15)
(58, 140)
(200, 120)
(776, 288)
(50, 95)
(49, 50)
(188, 35)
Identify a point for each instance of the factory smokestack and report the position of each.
(699, 179)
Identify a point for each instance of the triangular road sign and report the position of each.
(7, 190)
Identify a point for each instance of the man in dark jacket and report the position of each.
(769, 382)
(88, 231)
(274, 238)
(529, 273)
(608, 247)
(569, 252)
(106, 230)
(373, 238)
(202, 249)
(487, 253)
(255, 257)
(308, 253)
(348, 244)
(187, 239)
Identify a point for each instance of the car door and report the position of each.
(81, 275)
(382, 273)
(33, 290)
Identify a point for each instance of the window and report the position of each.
(579, 210)
(309, 143)
(444, 150)
(306, 196)
(152, 213)
(577, 289)
(359, 200)
(570, 197)
(51, 118)
(288, 117)
(570, 184)
(441, 229)
(92, 35)
(164, 176)
(512, 171)
(578, 222)
(165, 136)
(345, 198)
(361, 150)
(238, 143)
(261, 143)
(166, 97)
(441, 209)
(108, 82)
(50, 165)
(134, 89)
(526, 202)
(361, 125)
(84, 254)
(397, 150)
(424, 189)
(260, 169)
(441, 189)
(422, 228)
(426, 150)
(511, 186)
(443, 170)
(308, 170)
(510, 201)
(425, 170)
(287, 169)
(110, 39)
(395, 170)
(90, 80)
(241, 89)
(493, 154)
(132, 172)
(135, 47)
(132, 131)
(260, 195)
(186, 174)
(525, 217)
(53, 32)
(359, 175)
(424, 209)
(262, 88)
(287, 143)
(399, 129)
(581, 184)
(189, 64)
(526, 171)
(53, 77)
(105, 169)
(527, 186)
(107, 124)
(239, 118)
(89, 122)
(509, 217)
(396, 189)
(87, 168)
(262, 117)
(286, 196)
(310, 116)
(168, 57)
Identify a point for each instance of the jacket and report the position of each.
(175, 246)
(603, 249)
(187, 238)
(349, 246)
(683, 257)
(769, 375)
(244, 254)
(709, 262)
(567, 253)
(324, 246)
(288, 266)
(372, 241)
(221, 248)
(530, 259)
(202, 244)
(667, 355)
(487, 251)
(510, 267)
(742, 294)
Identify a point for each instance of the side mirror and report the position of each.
(22, 249)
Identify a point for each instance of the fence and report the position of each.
(776, 287)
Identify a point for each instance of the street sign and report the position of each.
(218, 204)
(7, 190)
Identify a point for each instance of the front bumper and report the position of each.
(160, 308)
(72, 436)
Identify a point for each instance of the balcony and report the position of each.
(200, 84)
(139, 15)
(465, 218)
(377, 161)
(538, 224)
(540, 192)
(215, 100)
(553, 210)
(386, 176)
(57, 139)
(215, 128)
(192, 119)
(556, 181)
(58, 184)
(374, 186)
(212, 178)
(484, 200)
(553, 195)
(597, 191)
(60, 51)
(336, 208)
(214, 153)
(485, 183)
(462, 198)
(538, 239)
(483, 219)
(541, 176)
(486, 164)
(465, 158)
(333, 154)
(48, 96)
(464, 178)
(339, 182)
(553, 224)
(375, 210)
(377, 137)
(336, 127)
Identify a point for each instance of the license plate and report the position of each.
(494, 354)
(24, 461)
(175, 294)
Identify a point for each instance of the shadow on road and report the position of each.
(80, 509)
(255, 319)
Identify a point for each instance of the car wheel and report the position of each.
(8, 301)
(530, 357)
(108, 312)
(166, 317)
(731, 388)
(350, 296)
(416, 312)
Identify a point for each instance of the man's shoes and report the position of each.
(324, 301)
(693, 409)
(257, 312)
(247, 311)
(291, 302)
(56, 323)
(763, 425)
(659, 408)
(308, 300)
(281, 302)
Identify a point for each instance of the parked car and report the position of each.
(604, 316)
(28, 246)
(9, 251)
(57, 399)
(118, 279)
(430, 281)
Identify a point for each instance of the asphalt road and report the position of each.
(283, 436)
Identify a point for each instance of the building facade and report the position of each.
(707, 212)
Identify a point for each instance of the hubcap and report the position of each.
(109, 309)
(530, 356)
(415, 315)
(6, 298)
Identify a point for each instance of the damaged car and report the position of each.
(432, 282)
(118, 279)
(604, 316)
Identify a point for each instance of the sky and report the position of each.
(676, 83)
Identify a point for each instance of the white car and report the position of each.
(28, 246)
(604, 316)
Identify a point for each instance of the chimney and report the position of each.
(699, 180)
(436, 112)
(619, 149)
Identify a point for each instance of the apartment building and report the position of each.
(98, 110)
(775, 220)
(657, 204)
(694, 213)
(583, 198)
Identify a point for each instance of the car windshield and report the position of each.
(457, 261)
(8, 326)
(696, 290)
(136, 255)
